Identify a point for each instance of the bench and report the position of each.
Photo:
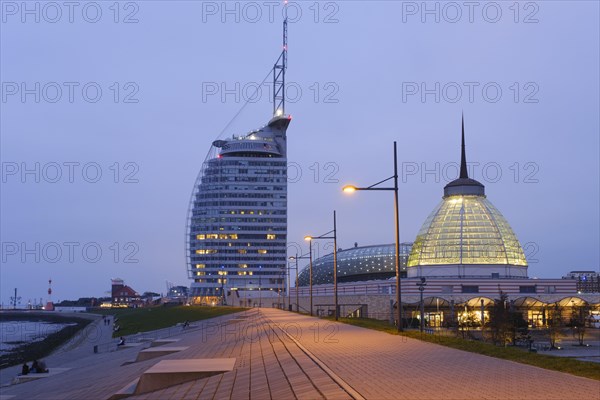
(128, 390)
(129, 345)
(154, 352)
(160, 342)
(168, 373)
(36, 376)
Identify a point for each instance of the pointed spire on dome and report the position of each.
(464, 185)
(464, 174)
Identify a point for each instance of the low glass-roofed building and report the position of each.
(357, 264)
(466, 236)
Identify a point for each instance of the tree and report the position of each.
(577, 322)
(504, 322)
(467, 321)
(554, 324)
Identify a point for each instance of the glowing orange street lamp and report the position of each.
(352, 189)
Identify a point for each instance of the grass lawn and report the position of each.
(581, 368)
(134, 320)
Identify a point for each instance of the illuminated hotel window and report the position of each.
(271, 237)
(212, 236)
(200, 237)
(262, 251)
(206, 251)
(242, 251)
(200, 265)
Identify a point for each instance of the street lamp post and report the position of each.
(259, 286)
(296, 258)
(350, 189)
(334, 237)
(288, 287)
(421, 286)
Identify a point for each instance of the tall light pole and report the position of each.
(289, 286)
(350, 189)
(296, 258)
(334, 237)
(421, 286)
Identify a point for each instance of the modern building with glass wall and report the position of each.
(466, 236)
(465, 257)
(236, 233)
(358, 264)
(237, 227)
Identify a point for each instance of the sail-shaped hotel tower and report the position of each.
(236, 234)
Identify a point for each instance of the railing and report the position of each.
(383, 289)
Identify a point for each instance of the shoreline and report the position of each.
(30, 351)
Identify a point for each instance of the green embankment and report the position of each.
(134, 320)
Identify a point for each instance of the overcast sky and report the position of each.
(112, 109)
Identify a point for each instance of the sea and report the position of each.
(16, 333)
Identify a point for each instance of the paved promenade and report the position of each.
(281, 355)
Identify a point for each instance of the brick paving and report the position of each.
(281, 355)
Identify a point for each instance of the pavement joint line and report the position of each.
(287, 379)
(336, 378)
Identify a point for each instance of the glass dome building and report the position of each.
(357, 264)
(466, 236)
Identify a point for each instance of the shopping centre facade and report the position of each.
(465, 257)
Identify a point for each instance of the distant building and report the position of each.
(587, 281)
(178, 293)
(123, 295)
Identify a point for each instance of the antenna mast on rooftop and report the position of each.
(279, 71)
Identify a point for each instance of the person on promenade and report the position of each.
(25, 369)
(34, 367)
(121, 341)
(42, 367)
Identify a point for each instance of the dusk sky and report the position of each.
(112, 108)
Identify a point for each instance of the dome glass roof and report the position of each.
(466, 229)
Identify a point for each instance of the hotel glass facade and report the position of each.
(237, 224)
